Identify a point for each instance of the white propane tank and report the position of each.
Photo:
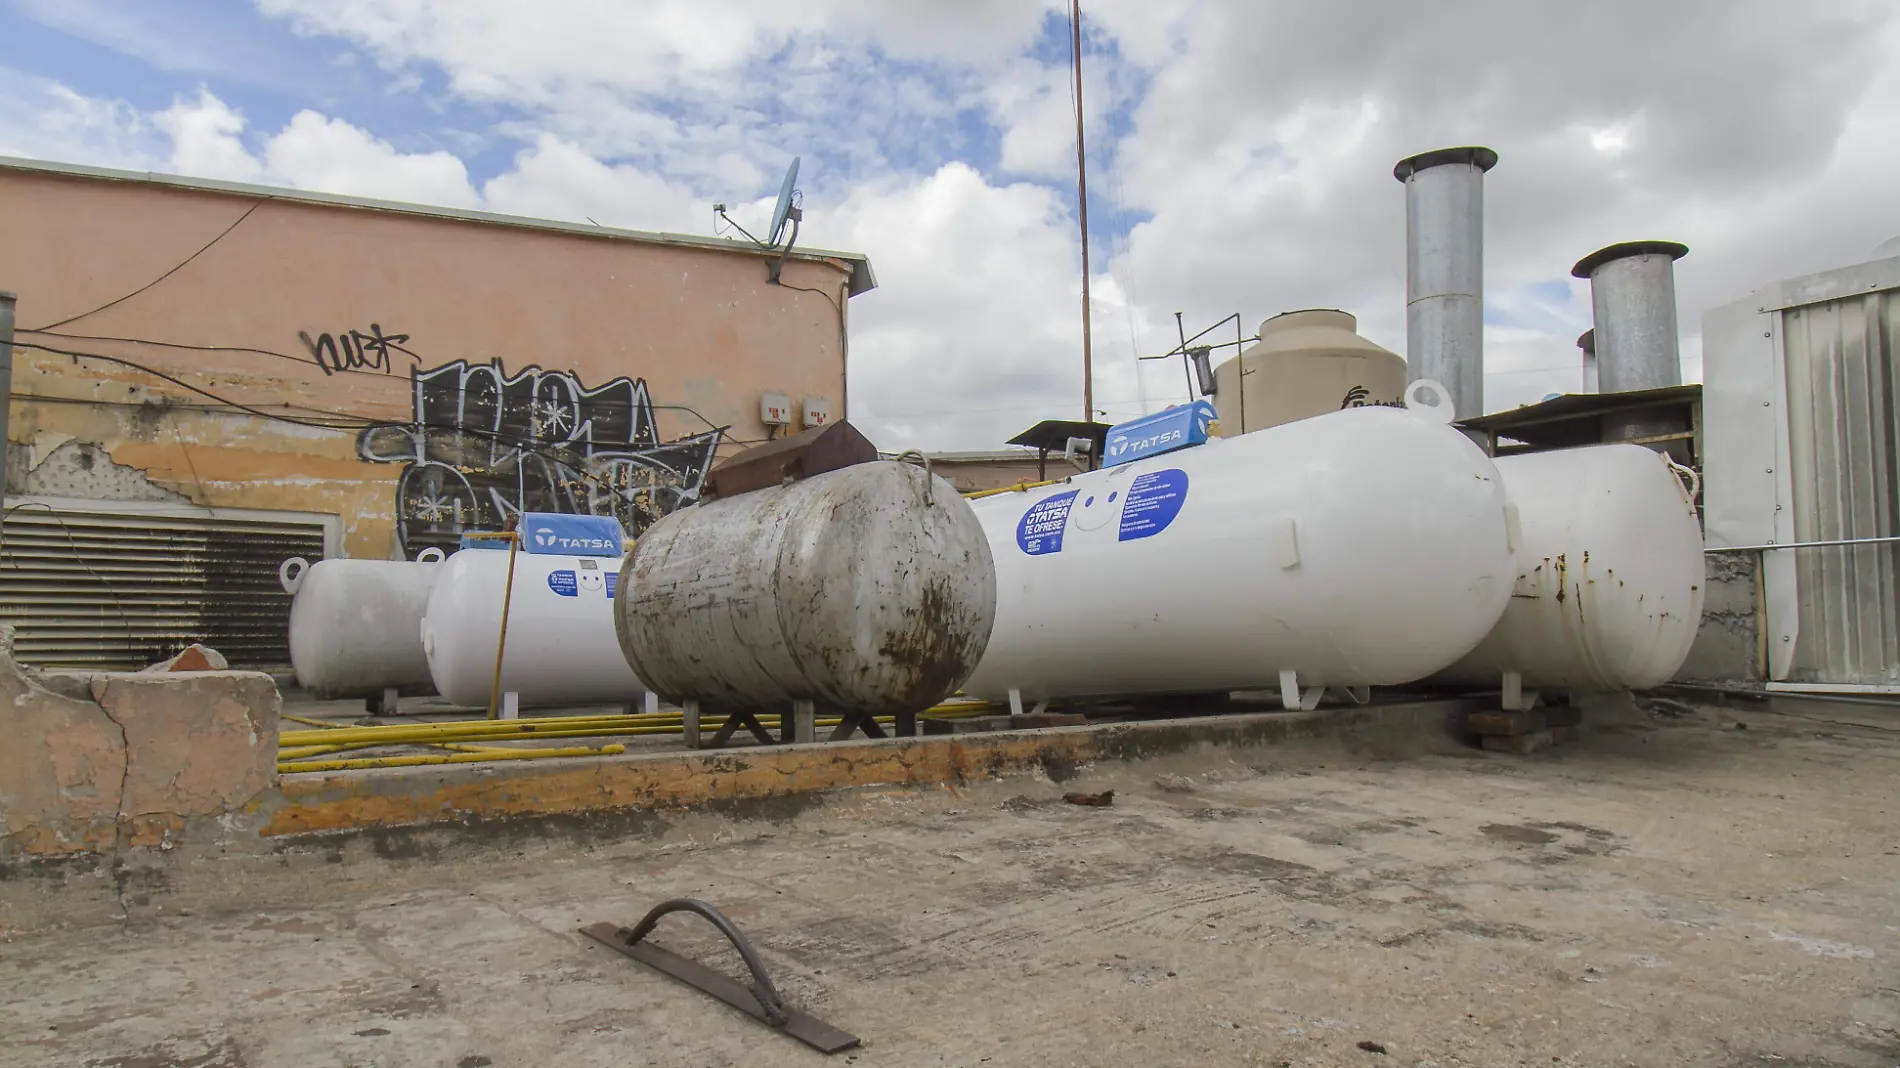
(1370, 546)
(1609, 586)
(561, 646)
(353, 624)
(869, 588)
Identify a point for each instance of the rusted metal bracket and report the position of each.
(797, 724)
(761, 1000)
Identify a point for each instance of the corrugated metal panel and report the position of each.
(1843, 366)
(119, 591)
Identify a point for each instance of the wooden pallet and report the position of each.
(1527, 731)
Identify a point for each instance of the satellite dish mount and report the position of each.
(786, 212)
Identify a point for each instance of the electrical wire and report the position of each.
(181, 266)
(820, 292)
(597, 402)
(180, 383)
(355, 423)
(171, 344)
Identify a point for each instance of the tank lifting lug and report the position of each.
(761, 1000)
(1294, 699)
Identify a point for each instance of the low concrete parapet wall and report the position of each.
(96, 763)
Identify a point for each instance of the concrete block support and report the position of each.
(98, 762)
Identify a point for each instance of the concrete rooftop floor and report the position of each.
(1721, 888)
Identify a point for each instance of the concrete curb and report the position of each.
(461, 794)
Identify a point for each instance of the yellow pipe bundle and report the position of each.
(298, 748)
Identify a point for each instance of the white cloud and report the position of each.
(44, 119)
(1256, 162)
(555, 179)
(330, 155)
(205, 139)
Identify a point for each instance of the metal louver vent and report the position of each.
(118, 591)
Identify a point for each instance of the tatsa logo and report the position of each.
(546, 538)
(1140, 444)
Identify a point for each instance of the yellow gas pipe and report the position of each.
(445, 758)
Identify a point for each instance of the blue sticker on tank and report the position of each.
(564, 583)
(1154, 499)
(612, 576)
(1040, 531)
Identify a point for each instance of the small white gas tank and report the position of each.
(1608, 594)
(1363, 547)
(561, 648)
(353, 624)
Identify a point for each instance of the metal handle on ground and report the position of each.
(762, 988)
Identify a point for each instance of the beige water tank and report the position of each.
(1306, 363)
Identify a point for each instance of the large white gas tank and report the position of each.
(353, 624)
(1608, 593)
(1363, 547)
(561, 645)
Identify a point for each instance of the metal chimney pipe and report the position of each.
(1587, 341)
(1444, 271)
(1633, 303)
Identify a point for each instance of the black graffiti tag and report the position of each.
(357, 351)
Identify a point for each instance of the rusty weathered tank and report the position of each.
(868, 589)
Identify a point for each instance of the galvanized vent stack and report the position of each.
(1633, 305)
(1444, 271)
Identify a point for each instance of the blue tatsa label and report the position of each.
(1154, 499)
(1040, 531)
(564, 583)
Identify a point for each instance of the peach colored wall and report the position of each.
(702, 328)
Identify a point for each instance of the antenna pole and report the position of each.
(1082, 205)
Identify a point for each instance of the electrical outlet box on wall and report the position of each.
(775, 409)
(817, 411)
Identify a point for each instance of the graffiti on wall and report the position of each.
(482, 446)
(356, 350)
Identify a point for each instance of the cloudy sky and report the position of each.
(1240, 151)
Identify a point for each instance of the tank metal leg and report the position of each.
(736, 718)
(802, 724)
(511, 705)
(854, 721)
(1516, 698)
(689, 723)
(761, 1000)
(1015, 702)
(651, 703)
(1290, 691)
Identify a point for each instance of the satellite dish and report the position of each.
(783, 209)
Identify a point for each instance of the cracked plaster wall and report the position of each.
(56, 465)
(102, 762)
